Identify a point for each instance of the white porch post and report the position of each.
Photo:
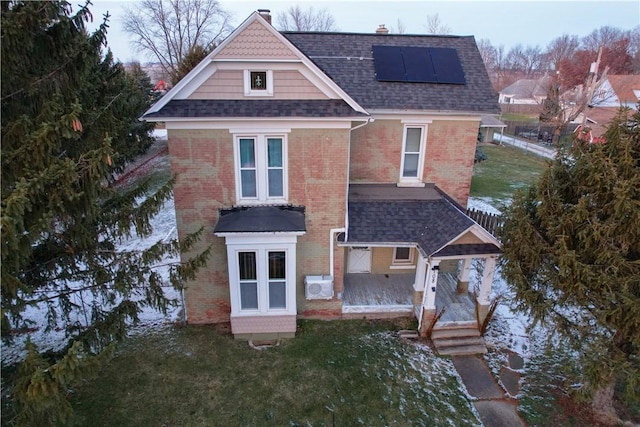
(463, 276)
(485, 288)
(421, 272)
(487, 280)
(428, 306)
(429, 301)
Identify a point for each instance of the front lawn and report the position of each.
(505, 170)
(344, 373)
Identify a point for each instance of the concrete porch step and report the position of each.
(455, 332)
(461, 346)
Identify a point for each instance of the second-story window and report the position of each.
(261, 168)
(412, 161)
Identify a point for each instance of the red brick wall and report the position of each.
(376, 152)
(317, 174)
(318, 180)
(451, 148)
(203, 162)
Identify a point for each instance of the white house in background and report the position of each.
(618, 91)
(526, 91)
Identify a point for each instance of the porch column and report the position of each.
(485, 287)
(429, 297)
(463, 276)
(418, 284)
(431, 284)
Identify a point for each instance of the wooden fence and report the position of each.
(488, 221)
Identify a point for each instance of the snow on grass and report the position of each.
(164, 228)
(435, 390)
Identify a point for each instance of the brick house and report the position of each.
(331, 172)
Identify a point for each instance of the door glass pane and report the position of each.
(277, 264)
(247, 265)
(410, 165)
(413, 140)
(248, 178)
(247, 153)
(275, 183)
(277, 295)
(249, 296)
(274, 152)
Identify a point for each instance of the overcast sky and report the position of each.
(502, 22)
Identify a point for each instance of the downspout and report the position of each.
(344, 229)
(346, 210)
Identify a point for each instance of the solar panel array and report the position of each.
(417, 65)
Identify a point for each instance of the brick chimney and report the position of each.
(266, 14)
(382, 29)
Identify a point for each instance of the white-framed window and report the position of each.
(261, 168)
(413, 148)
(258, 82)
(403, 258)
(262, 280)
(262, 273)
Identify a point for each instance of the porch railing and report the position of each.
(488, 221)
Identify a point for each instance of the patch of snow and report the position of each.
(159, 133)
(164, 227)
(485, 204)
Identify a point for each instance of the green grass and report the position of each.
(519, 117)
(351, 372)
(506, 169)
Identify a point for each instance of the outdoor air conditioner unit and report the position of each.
(318, 287)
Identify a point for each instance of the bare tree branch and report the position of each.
(436, 26)
(168, 30)
(297, 19)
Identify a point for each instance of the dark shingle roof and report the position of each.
(429, 223)
(384, 213)
(204, 108)
(347, 59)
(261, 219)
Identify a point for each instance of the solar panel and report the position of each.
(388, 64)
(447, 66)
(417, 63)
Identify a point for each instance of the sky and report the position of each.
(506, 23)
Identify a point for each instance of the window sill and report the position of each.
(402, 267)
(410, 184)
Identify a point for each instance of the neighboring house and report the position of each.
(331, 172)
(526, 91)
(617, 91)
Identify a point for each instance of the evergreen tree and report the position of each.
(69, 117)
(571, 251)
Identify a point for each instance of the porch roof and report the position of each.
(261, 219)
(385, 213)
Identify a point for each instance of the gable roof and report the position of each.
(424, 216)
(348, 60)
(203, 70)
(528, 88)
(624, 87)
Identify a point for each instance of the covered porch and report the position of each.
(394, 293)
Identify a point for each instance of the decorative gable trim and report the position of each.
(199, 74)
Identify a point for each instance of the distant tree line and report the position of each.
(567, 57)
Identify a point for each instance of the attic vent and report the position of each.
(417, 65)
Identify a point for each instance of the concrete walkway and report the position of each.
(496, 409)
(548, 152)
